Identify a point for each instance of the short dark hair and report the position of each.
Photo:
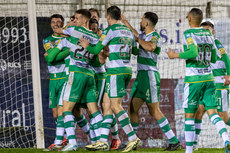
(95, 10)
(57, 16)
(84, 12)
(152, 17)
(207, 23)
(114, 12)
(72, 17)
(197, 13)
(91, 21)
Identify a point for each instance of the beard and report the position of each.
(142, 28)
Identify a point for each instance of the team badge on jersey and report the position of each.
(154, 39)
(220, 46)
(222, 51)
(47, 46)
(102, 37)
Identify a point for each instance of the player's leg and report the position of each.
(223, 104)
(135, 104)
(116, 85)
(134, 107)
(91, 101)
(211, 107)
(116, 142)
(81, 120)
(198, 122)
(73, 94)
(192, 93)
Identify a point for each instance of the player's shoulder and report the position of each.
(155, 34)
(47, 39)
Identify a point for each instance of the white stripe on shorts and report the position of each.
(186, 93)
(101, 93)
(113, 85)
(68, 86)
(153, 87)
(224, 97)
(60, 103)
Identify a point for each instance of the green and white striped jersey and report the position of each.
(99, 68)
(198, 69)
(120, 41)
(56, 69)
(148, 60)
(80, 58)
(218, 68)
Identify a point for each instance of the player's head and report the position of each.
(195, 17)
(95, 14)
(149, 19)
(208, 25)
(82, 17)
(93, 25)
(56, 21)
(113, 13)
(71, 20)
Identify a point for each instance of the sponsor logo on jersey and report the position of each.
(187, 35)
(219, 46)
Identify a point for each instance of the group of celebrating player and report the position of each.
(76, 56)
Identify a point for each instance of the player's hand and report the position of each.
(227, 80)
(84, 43)
(58, 30)
(106, 51)
(171, 54)
(45, 54)
(123, 18)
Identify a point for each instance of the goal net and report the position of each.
(17, 117)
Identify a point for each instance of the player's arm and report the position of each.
(66, 31)
(51, 53)
(96, 49)
(63, 54)
(190, 50)
(127, 24)
(213, 56)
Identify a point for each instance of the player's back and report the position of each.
(120, 40)
(80, 58)
(198, 69)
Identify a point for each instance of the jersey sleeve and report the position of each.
(46, 44)
(69, 30)
(188, 40)
(220, 48)
(63, 43)
(106, 37)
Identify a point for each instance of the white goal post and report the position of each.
(36, 74)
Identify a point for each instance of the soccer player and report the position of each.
(56, 67)
(146, 87)
(199, 52)
(81, 83)
(100, 75)
(221, 72)
(120, 41)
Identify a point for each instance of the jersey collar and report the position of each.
(56, 36)
(149, 33)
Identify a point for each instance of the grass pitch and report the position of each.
(147, 150)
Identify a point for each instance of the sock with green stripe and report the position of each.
(60, 130)
(165, 127)
(105, 128)
(135, 126)
(198, 124)
(228, 123)
(124, 121)
(69, 125)
(114, 129)
(91, 131)
(220, 126)
(189, 134)
(96, 124)
(83, 124)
